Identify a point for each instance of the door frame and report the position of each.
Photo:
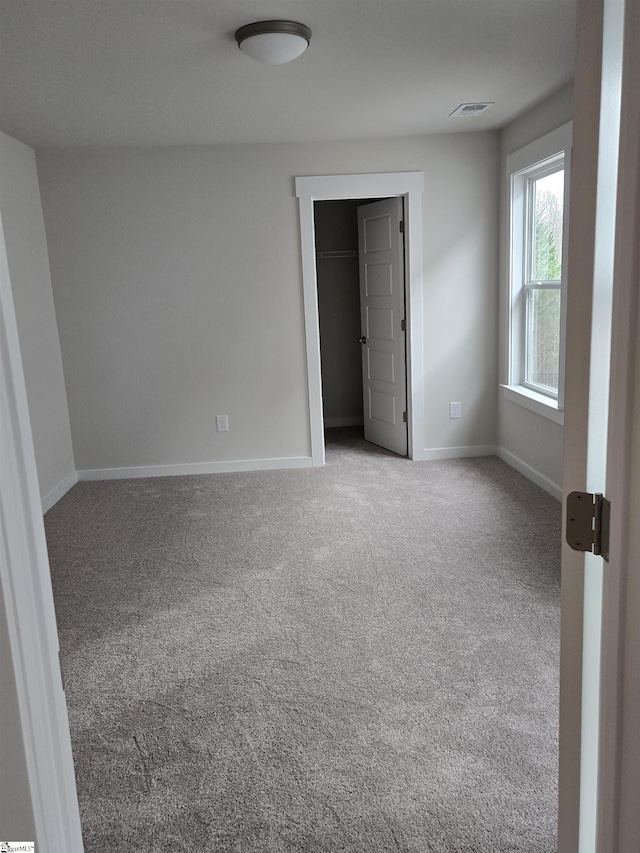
(600, 683)
(618, 819)
(408, 185)
(28, 600)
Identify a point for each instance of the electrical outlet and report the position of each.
(455, 410)
(222, 423)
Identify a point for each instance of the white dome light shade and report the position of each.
(274, 42)
(274, 48)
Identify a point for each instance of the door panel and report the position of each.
(381, 365)
(382, 407)
(382, 309)
(379, 278)
(377, 231)
(379, 324)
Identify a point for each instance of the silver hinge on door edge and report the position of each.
(404, 417)
(401, 226)
(588, 522)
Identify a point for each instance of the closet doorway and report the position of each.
(361, 304)
(407, 186)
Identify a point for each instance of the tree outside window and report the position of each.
(542, 279)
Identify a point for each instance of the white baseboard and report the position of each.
(332, 423)
(530, 473)
(227, 467)
(59, 492)
(433, 453)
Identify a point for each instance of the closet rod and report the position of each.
(345, 253)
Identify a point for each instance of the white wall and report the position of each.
(177, 283)
(336, 227)
(39, 343)
(527, 440)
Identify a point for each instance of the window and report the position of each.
(542, 277)
(538, 177)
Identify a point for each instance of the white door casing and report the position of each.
(28, 600)
(590, 692)
(410, 186)
(382, 313)
(618, 827)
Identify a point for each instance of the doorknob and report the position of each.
(362, 340)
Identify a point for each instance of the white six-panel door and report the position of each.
(382, 311)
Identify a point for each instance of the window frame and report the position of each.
(542, 157)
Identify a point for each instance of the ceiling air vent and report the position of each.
(471, 109)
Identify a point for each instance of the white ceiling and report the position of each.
(167, 72)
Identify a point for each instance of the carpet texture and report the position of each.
(362, 657)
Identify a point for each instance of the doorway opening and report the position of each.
(361, 306)
(408, 187)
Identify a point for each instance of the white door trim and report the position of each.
(587, 687)
(409, 185)
(619, 756)
(28, 599)
(591, 789)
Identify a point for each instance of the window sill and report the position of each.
(535, 402)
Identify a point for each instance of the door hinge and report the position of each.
(404, 417)
(588, 523)
(402, 226)
(403, 325)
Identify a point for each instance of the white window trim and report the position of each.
(535, 402)
(520, 165)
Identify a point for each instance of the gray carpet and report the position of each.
(362, 657)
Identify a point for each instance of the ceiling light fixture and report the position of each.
(274, 42)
